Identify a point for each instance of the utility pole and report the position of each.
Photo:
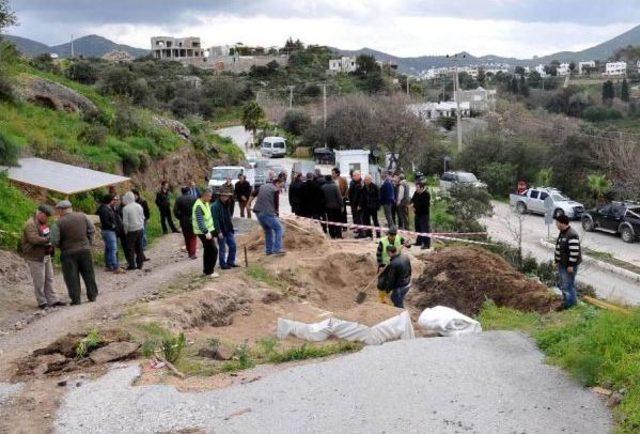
(72, 50)
(408, 85)
(324, 107)
(456, 90)
(291, 97)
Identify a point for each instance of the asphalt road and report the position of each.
(494, 382)
(607, 284)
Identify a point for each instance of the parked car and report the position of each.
(537, 200)
(273, 146)
(219, 175)
(449, 179)
(616, 218)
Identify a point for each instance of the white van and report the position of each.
(274, 147)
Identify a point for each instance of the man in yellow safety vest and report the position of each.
(382, 255)
(203, 227)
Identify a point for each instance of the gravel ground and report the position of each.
(8, 390)
(494, 382)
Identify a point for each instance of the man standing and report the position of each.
(295, 194)
(226, 237)
(266, 209)
(194, 191)
(109, 229)
(568, 257)
(387, 198)
(333, 206)
(311, 198)
(73, 234)
(133, 224)
(228, 188)
(356, 202)
(163, 201)
(371, 205)
(37, 251)
(343, 187)
(402, 202)
(182, 210)
(204, 228)
(392, 239)
(147, 215)
(421, 202)
(396, 277)
(242, 194)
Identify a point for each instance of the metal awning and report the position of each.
(60, 177)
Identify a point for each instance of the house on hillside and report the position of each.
(563, 69)
(584, 66)
(342, 65)
(178, 49)
(431, 111)
(540, 70)
(479, 99)
(118, 56)
(615, 69)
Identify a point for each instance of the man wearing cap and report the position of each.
(392, 239)
(182, 211)
(226, 238)
(133, 223)
(37, 251)
(73, 235)
(568, 256)
(204, 228)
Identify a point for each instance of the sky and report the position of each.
(510, 28)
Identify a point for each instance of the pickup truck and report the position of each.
(219, 175)
(533, 201)
(450, 179)
(616, 218)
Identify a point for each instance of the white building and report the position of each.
(479, 99)
(583, 65)
(615, 68)
(353, 159)
(430, 111)
(344, 64)
(540, 70)
(563, 69)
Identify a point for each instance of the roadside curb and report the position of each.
(604, 265)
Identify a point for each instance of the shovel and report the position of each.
(362, 295)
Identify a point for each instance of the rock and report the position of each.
(49, 363)
(615, 399)
(601, 391)
(62, 383)
(114, 351)
(175, 126)
(271, 297)
(54, 95)
(215, 353)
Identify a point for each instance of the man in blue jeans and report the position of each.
(568, 257)
(109, 227)
(226, 237)
(266, 209)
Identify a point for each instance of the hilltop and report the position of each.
(86, 46)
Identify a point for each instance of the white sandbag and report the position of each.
(447, 322)
(397, 327)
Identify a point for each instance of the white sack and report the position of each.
(447, 322)
(397, 327)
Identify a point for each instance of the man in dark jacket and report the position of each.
(226, 234)
(109, 226)
(387, 198)
(242, 192)
(568, 256)
(295, 194)
(182, 210)
(333, 206)
(356, 202)
(421, 201)
(370, 205)
(73, 235)
(312, 198)
(396, 277)
(163, 201)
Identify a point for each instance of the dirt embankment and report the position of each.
(463, 278)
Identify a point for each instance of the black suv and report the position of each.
(616, 218)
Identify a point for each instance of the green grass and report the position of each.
(597, 347)
(261, 274)
(13, 216)
(88, 343)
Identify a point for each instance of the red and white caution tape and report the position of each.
(432, 235)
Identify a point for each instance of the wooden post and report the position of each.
(246, 258)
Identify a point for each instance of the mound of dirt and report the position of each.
(296, 237)
(463, 278)
(345, 270)
(13, 269)
(369, 313)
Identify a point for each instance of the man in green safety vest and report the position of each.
(392, 239)
(203, 227)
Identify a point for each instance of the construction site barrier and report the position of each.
(433, 235)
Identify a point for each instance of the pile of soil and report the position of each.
(463, 278)
(13, 269)
(369, 313)
(60, 356)
(297, 236)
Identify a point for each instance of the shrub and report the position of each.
(88, 343)
(600, 114)
(13, 217)
(172, 346)
(9, 151)
(467, 205)
(500, 177)
(296, 122)
(94, 134)
(82, 72)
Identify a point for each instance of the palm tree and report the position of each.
(599, 186)
(252, 116)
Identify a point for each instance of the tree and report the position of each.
(551, 70)
(519, 70)
(82, 72)
(467, 205)
(296, 122)
(624, 91)
(7, 16)
(534, 79)
(572, 67)
(482, 77)
(9, 151)
(599, 186)
(608, 92)
(544, 178)
(524, 87)
(252, 115)
(366, 65)
(513, 85)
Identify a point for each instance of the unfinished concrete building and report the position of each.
(169, 48)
